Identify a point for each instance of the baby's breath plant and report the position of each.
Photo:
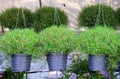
(99, 40)
(19, 41)
(118, 34)
(57, 39)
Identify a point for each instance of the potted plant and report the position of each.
(98, 42)
(118, 34)
(56, 42)
(20, 44)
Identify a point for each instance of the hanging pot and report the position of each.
(97, 62)
(20, 62)
(57, 61)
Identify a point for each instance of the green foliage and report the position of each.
(9, 18)
(19, 41)
(112, 65)
(99, 40)
(94, 75)
(47, 16)
(100, 13)
(118, 34)
(8, 74)
(57, 39)
(65, 75)
(118, 15)
(79, 66)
